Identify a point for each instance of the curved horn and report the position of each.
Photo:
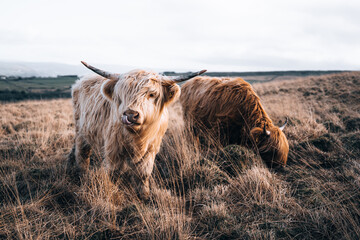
(283, 126)
(103, 73)
(187, 77)
(266, 131)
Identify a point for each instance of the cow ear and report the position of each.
(171, 93)
(107, 89)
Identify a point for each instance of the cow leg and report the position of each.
(82, 154)
(132, 170)
(70, 161)
(114, 167)
(113, 162)
(132, 175)
(141, 172)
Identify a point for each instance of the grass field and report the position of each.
(197, 192)
(35, 88)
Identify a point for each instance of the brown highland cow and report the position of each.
(229, 109)
(124, 117)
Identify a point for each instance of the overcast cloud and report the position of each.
(184, 35)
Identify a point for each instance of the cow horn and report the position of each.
(283, 126)
(188, 76)
(103, 73)
(266, 131)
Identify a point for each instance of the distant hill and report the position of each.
(20, 88)
(266, 73)
(29, 69)
(48, 69)
(254, 77)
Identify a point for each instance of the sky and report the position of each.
(184, 35)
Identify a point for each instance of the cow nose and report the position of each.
(132, 115)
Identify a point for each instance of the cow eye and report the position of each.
(152, 95)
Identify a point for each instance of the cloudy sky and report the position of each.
(184, 35)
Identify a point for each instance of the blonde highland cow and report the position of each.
(124, 117)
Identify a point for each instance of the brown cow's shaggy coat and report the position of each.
(231, 110)
(126, 143)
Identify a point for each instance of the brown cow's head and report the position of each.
(272, 144)
(139, 97)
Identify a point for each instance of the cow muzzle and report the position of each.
(130, 118)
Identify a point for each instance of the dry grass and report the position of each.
(197, 193)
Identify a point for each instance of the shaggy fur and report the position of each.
(232, 111)
(99, 105)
